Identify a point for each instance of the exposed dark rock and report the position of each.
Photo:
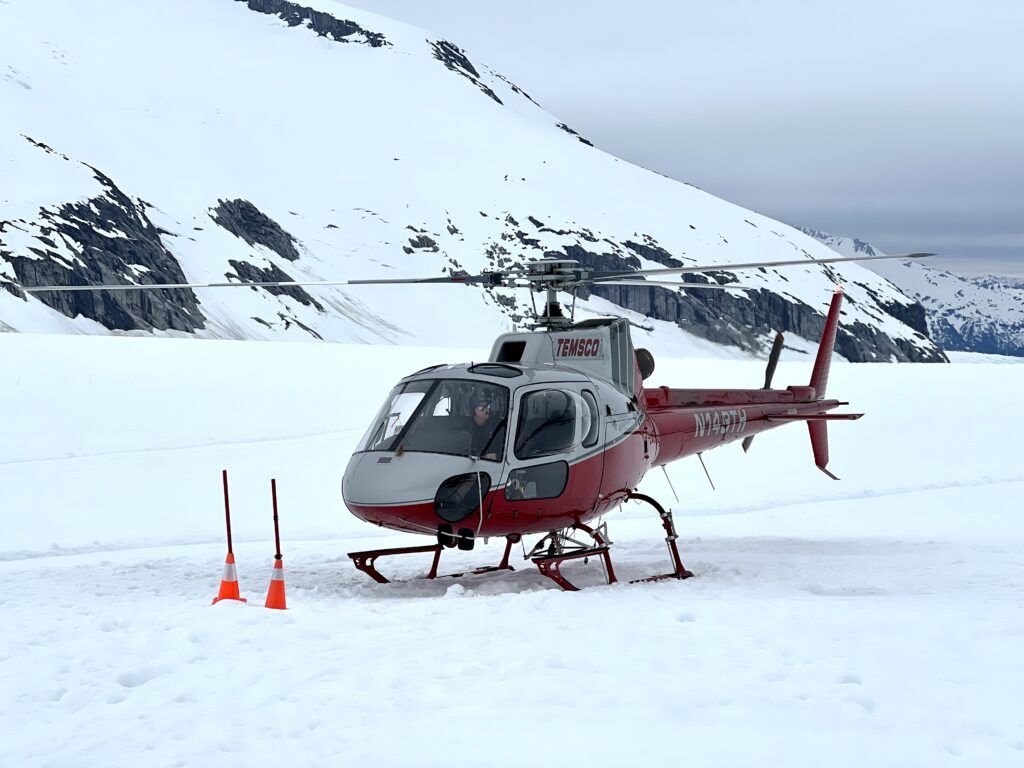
(569, 130)
(515, 88)
(859, 246)
(910, 314)
(288, 320)
(108, 239)
(601, 262)
(455, 59)
(253, 274)
(530, 241)
(977, 337)
(244, 220)
(654, 252)
(424, 242)
(738, 320)
(324, 24)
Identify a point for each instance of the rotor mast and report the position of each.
(548, 275)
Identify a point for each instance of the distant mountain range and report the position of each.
(265, 140)
(983, 314)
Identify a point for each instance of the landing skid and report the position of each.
(548, 554)
(559, 547)
(365, 561)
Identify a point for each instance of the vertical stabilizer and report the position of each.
(819, 377)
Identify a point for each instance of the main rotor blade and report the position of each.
(606, 276)
(668, 284)
(455, 280)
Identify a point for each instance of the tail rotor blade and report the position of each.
(773, 360)
(769, 374)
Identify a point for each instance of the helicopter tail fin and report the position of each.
(819, 376)
(819, 444)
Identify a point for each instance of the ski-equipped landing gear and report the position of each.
(559, 547)
(365, 561)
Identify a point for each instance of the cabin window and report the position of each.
(591, 420)
(541, 481)
(547, 423)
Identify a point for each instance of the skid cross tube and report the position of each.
(365, 561)
(550, 564)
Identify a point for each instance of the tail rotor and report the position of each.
(769, 374)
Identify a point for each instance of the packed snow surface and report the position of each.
(873, 621)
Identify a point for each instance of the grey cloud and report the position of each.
(901, 123)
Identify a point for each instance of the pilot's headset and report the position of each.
(477, 399)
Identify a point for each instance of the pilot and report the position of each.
(486, 432)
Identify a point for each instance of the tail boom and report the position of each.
(690, 421)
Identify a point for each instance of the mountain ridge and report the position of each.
(393, 160)
(984, 315)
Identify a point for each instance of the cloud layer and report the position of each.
(900, 123)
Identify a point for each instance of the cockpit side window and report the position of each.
(547, 423)
(399, 408)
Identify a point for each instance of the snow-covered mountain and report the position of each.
(980, 315)
(198, 140)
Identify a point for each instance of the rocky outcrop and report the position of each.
(244, 220)
(110, 239)
(571, 132)
(742, 319)
(455, 59)
(324, 24)
(273, 274)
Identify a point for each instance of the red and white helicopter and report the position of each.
(555, 429)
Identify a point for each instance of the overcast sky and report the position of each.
(901, 123)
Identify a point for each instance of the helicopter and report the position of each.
(555, 429)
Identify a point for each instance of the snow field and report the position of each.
(875, 621)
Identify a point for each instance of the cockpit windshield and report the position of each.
(452, 416)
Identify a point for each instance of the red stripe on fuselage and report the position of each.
(595, 484)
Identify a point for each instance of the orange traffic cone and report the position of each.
(275, 595)
(229, 582)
